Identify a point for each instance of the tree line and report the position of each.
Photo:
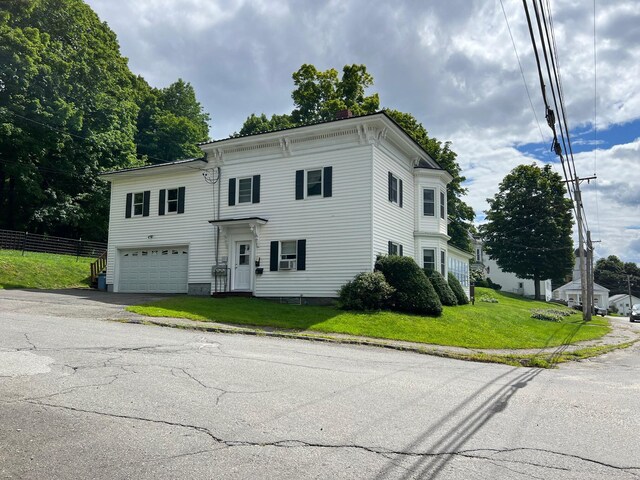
(70, 108)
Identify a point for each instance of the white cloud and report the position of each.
(452, 64)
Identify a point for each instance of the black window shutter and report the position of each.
(127, 212)
(327, 188)
(390, 247)
(400, 250)
(299, 184)
(390, 182)
(161, 201)
(255, 194)
(232, 191)
(145, 207)
(301, 261)
(273, 259)
(181, 191)
(400, 193)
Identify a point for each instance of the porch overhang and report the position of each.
(253, 224)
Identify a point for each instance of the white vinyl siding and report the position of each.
(190, 229)
(337, 229)
(390, 221)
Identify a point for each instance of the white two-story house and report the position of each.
(292, 213)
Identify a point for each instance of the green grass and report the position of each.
(506, 324)
(42, 270)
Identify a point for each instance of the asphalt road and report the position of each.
(83, 397)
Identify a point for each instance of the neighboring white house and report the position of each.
(510, 282)
(291, 213)
(572, 292)
(621, 302)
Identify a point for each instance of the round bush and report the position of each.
(457, 289)
(367, 291)
(413, 291)
(440, 285)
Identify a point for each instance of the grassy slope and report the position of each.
(42, 270)
(506, 324)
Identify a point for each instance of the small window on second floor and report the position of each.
(429, 202)
(172, 200)
(138, 204)
(395, 189)
(442, 205)
(314, 183)
(244, 190)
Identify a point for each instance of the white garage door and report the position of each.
(156, 270)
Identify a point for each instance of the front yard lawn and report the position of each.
(42, 270)
(506, 324)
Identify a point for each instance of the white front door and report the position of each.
(242, 267)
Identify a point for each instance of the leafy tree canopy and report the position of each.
(528, 229)
(319, 95)
(71, 108)
(614, 274)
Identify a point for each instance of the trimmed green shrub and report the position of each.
(367, 291)
(440, 285)
(413, 291)
(457, 289)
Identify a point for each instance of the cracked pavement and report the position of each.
(81, 397)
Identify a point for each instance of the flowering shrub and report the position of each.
(488, 299)
(549, 315)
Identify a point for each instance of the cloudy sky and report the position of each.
(451, 63)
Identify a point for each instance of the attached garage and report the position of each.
(153, 270)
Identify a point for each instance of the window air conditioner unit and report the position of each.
(287, 264)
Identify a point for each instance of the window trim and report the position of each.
(238, 180)
(299, 258)
(130, 204)
(140, 204)
(326, 183)
(443, 263)
(424, 263)
(395, 196)
(394, 248)
(442, 205)
(424, 202)
(176, 201)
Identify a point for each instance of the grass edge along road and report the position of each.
(503, 325)
(43, 270)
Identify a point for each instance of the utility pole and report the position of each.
(629, 287)
(590, 301)
(586, 309)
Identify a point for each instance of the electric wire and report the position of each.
(524, 81)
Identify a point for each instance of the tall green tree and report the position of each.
(617, 276)
(460, 214)
(528, 229)
(171, 123)
(70, 108)
(66, 113)
(319, 95)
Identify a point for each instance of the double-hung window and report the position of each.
(395, 189)
(395, 248)
(442, 205)
(171, 201)
(137, 204)
(443, 258)
(244, 190)
(429, 259)
(317, 182)
(428, 202)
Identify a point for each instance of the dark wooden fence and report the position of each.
(33, 242)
